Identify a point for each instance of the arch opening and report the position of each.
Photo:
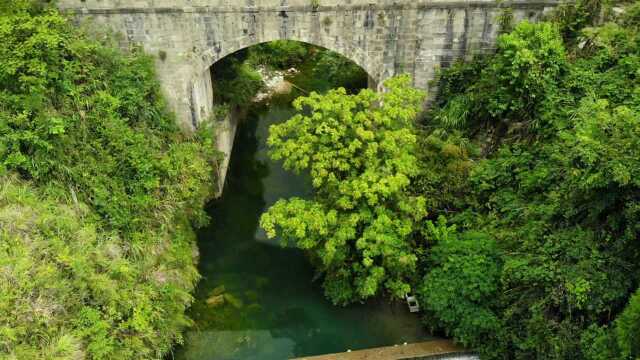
(281, 69)
(237, 76)
(273, 280)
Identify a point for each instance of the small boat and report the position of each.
(412, 302)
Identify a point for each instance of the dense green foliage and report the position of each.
(528, 167)
(361, 158)
(279, 54)
(513, 209)
(547, 256)
(466, 267)
(98, 189)
(236, 81)
(72, 290)
(513, 88)
(339, 71)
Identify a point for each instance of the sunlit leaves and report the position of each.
(360, 151)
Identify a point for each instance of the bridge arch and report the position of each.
(201, 101)
(210, 56)
(200, 83)
(384, 37)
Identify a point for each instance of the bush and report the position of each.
(460, 292)
(98, 191)
(514, 87)
(279, 54)
(236, 81)
(70, 289)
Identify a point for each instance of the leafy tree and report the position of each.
(236, 81)
(339, 71)
(556, 188)
(361, 153)
(98, 188)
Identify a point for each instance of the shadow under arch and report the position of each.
(215, 54)
(202, 104)
(283, 55)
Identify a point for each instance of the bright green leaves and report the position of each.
(56, 126)
(71, 289)
(298, 219)
(342, 137)
(460, 291)
(362, 158)
(607, 143)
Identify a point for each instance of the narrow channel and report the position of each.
(256, 299)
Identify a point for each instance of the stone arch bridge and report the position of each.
(384, 37)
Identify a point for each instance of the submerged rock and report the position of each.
(216, 300)
(218, 290)
(233, 301)
(251, 295)
(261, 282)
(254, 308)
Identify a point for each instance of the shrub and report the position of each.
(98, 191)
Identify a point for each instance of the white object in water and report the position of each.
(412, 302)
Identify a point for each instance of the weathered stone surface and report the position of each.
(384, 37)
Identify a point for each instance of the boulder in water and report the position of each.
(216, 300)
(218, 290)
(233, 301)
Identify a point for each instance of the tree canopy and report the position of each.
(361, 153)
(549, 210)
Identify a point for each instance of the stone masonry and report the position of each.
(384, 37)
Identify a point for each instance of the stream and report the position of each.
(256, 299)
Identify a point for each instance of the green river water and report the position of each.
(272, 308)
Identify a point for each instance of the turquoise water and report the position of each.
(272, 309)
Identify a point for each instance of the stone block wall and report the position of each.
(384, 37)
